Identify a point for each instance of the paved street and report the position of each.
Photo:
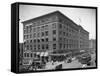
(76, 64)
(73, 64)
(65, 65)
(51, 65)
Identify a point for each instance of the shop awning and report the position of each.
(59, 54)
(38, 53)
(42, 54)
(46, 54)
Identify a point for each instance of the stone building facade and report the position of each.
(53, 33)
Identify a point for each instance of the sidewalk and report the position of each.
(52, 66)
(73, 64)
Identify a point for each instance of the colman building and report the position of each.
(51, 36)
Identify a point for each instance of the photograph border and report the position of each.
(15, 38)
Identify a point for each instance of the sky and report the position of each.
(82, 16)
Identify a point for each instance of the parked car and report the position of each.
(59, 67)
(69, 60)
(84, 58)
(89, 63)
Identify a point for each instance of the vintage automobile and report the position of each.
(69, 60)
(58, 67)
(84, 58)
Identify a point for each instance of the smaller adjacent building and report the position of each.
(83, 39)
(92, 45)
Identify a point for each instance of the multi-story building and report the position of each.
(83, 39)
(53, 33)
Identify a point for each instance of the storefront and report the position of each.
(60, 56)
(27, 61)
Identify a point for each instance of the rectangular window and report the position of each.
(46, 33)
(42, 40)
(34, 47)
(54, 46)
(47, 47)
(31, 54)
(60, 39)
(27, 41)
(54, 25)
(64, 39)
(46, 40)
(54, 39)
(67, 46)
(43, 20)
(24, 27)
(38, 28)
(60, 32)
(42, 28)
(27, 54)
(64, 46)
(43, 46)
(60, 20)
(27, 36)
(46, 27)
(24, 31)
(24, 36)
(34, 35)
(34, 29)
(54, 32)
(30, 41)
(30, 47)
(60, 46)
(38, 46)
(42, 33)
(38, 34)
(30, 28)
(30, 35)
(38, 40)
(27, 47)
(35, 41)
(64, 33)
(24, 54)
(64, 27)
(60, 26)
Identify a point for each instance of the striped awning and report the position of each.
(46, 54)
(38, 53)
(42, 54)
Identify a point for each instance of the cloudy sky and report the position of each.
(83, 16)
